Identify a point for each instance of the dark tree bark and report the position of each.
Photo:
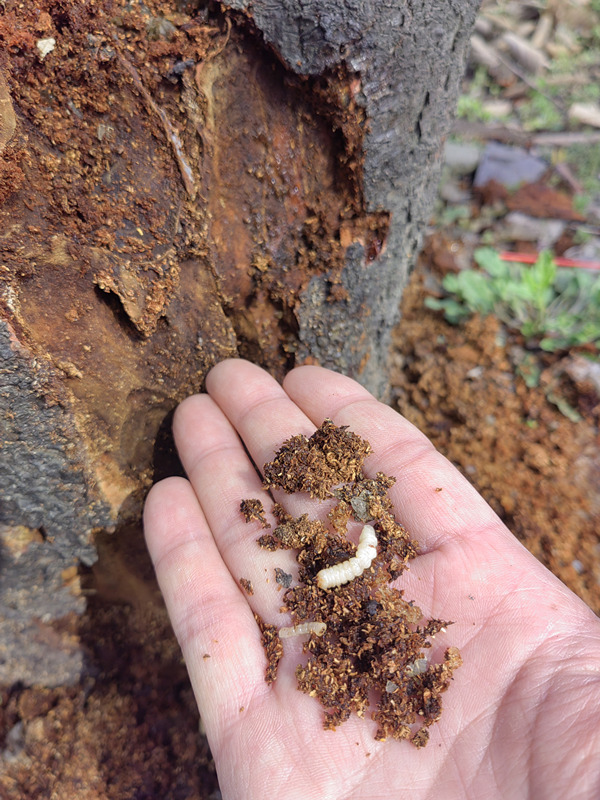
(176, 189)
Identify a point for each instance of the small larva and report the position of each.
(304, 627)
(342, 573)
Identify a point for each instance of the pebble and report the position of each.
(508, 165)
(521, 227)
(461, 158)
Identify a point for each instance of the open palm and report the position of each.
(520, 718)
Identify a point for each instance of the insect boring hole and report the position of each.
(365, 646)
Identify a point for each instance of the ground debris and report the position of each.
(375, 642)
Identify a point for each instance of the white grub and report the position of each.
(304, 627)
(342, 573)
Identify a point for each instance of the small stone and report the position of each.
(586, 113)
(461, 158)
(498, 108)
(45, 46)
(360, 506)
(522, 227)
(584, 373)
(509, 166)
(475, 373)
(160, 28)
(283, 578)
(418, 666)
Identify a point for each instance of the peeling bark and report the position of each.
(177, 188)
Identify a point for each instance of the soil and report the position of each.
(537, 468)
(130, 729)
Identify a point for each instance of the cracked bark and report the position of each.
(255, 184)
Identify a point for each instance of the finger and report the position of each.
(257, 407)
(222, 476)
(264, 416)
(211, 618)
(430, 496)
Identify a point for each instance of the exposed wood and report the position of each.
(178, 188)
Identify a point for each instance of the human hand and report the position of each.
(520, 718)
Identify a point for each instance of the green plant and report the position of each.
(540, 113)
(472, 109)
(585, 160)
(553, 308)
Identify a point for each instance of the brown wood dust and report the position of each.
(375, 640)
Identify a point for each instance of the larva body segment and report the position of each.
(318, 628)
(342, 573)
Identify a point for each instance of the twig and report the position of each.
(566, 138)
(497, 133)
(532, 85)
(564, 171)
(500, 133)
(170, 132)
(8, 120)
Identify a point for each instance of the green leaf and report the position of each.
(553, 308)
(455, 312)
(489, 260)
(450, 283)
(550, 345)
(563, 406)
(529, 369)
(544, 270)
(476, 290)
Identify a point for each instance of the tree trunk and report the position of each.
(179, 185)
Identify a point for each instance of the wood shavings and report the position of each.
(253, 509)
(273, 647)
(330, 456)
(369, 641)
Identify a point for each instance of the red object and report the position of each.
(531, 258)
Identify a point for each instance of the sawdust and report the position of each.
(374, 640)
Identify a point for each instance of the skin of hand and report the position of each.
(521, 716)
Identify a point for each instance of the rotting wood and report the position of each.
(314, 153)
